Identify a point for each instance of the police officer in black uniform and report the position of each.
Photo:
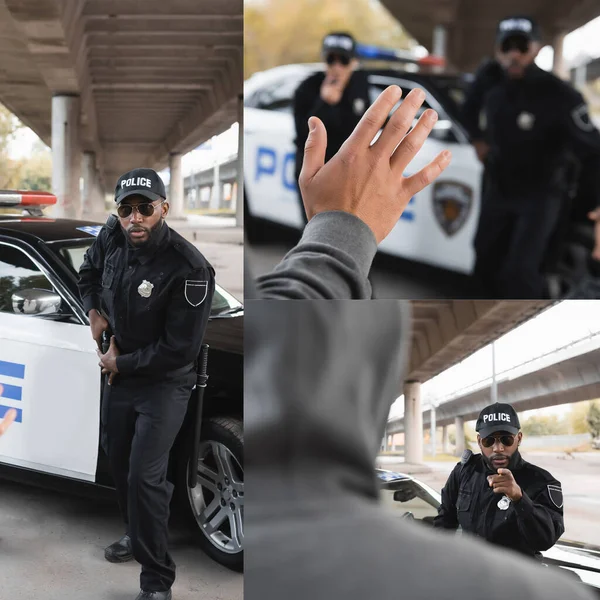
(526, 126)
(499, 496)
(153, 290)
(339, 97)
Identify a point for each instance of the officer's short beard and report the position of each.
(512, 461)
(152, 236)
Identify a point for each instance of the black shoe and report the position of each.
(154, 595)
(119, 551)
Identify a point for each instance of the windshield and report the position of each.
(72, 254)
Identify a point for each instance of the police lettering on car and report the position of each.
(153, 290)
(498, 496)
(528, 127)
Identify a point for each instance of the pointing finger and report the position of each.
(428, 174)
(373, 120)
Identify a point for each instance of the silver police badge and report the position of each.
(525, 121)
(504, 503)
(145, 289)
(359, 106)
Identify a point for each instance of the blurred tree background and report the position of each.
(280, 32)
(33, 172)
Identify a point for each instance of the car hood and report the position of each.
(583, 559)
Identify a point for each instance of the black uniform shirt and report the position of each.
(157, 299)
(533, 524)
(339, 120)
(533, 126)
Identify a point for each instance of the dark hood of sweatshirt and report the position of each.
(320, 379)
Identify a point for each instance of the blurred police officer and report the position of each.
(525, 125)
(497, 495)
(153, 290)
(339, 96)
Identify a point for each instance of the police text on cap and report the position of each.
(338, 41)
(497, 417)
(136, 181)
(516, 25)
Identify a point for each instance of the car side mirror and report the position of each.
(35, 301)
(442, 131)
(404, 495)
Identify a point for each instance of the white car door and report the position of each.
(49, 372)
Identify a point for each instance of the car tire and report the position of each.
(220, 463)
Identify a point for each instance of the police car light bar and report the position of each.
(388, 54)
(26, 199)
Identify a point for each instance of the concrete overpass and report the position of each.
(446, 332)
(464, 30)
(560, 378)
(124, 83)
(212, 180)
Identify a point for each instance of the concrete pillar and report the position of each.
(558, 62)
(413, 423)
(580, 76)
(92, 198)
(433, 431)
(215, 196)
(66, 157)
(445, 440)
(459, 424)
(176, 186)
(440, 41)
(239, 201)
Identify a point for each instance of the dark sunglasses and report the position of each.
(505, 440)
(520, 44)
(145, 209)
(331, 59)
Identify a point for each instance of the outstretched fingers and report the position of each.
(428, 174)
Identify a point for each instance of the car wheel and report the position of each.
(216, 505)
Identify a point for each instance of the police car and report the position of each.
(410, 499)
(439, 224)
(49, 373)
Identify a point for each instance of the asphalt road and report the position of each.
(580, 483)
(52, 547)
(390, 277)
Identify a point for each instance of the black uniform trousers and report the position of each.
(141, 420)
(511, 244)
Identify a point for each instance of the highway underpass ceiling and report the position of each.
(471, 24)
(154, 76)
(448, 331)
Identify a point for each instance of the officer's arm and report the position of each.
(585, 140)
(331, 261)
(180, 342)
(447, 517)
(487, 75)
(90, 273)
(540, 519)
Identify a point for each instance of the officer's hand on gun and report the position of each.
(98, 325)
(367, 179)
(595, 216)
(9, 417)
(108, 361)
(504, 483)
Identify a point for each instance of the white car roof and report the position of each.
(265, 77)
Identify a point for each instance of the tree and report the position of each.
(593, 419)
(280, 32)
(544, 425)
(9, 169)
(578, 417)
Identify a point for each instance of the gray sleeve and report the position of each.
(331, 261)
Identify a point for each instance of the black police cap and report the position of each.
(339, 43)
(497, 417)
(518, 26)
(140, 182)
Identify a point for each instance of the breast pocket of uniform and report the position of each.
(108, 275)
(464, 501)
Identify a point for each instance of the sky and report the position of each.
(568, 327)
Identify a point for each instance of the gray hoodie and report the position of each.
(319, 382)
